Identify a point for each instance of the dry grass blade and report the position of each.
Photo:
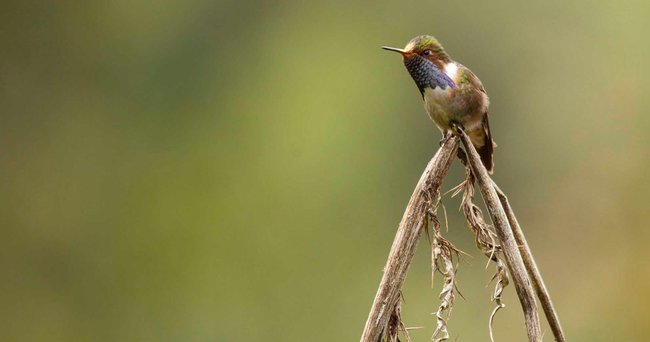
(501, 277)
(396, 325)
(442, 255)
(485, 239)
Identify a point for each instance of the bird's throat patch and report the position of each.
(427, 75)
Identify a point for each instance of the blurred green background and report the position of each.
(235, 171)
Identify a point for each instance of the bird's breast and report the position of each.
(436, 103)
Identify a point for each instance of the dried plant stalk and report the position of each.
(485, 238)
(404, 245)
(533, 271)
(516, 266)
(442, 254)
(384, 319)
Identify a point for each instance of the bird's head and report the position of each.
(425, 60)
(426, 47)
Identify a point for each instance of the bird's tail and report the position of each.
(482, 141)
(485, 152)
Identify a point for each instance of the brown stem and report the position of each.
(533, 271)
(511, 252)
(406, 239)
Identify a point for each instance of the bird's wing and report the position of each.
(468, 77)
(486, 149)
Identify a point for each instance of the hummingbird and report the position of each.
(452, 94)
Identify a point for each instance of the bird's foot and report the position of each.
(456, 128)
(446, 135)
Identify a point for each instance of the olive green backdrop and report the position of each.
(235, 171)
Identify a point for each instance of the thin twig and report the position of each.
(511, 252)
(404, 245)
(533, 271)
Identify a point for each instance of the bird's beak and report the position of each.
(393, 49)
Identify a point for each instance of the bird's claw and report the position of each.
(456, 128)
(446, 135)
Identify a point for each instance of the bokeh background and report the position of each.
(235, 170)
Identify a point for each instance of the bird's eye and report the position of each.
(426, 52)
